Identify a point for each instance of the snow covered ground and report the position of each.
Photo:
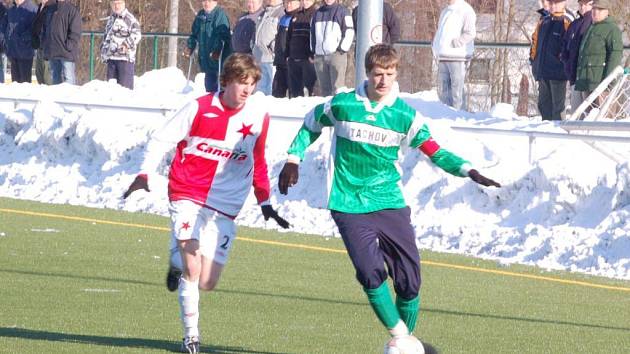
(569, 209)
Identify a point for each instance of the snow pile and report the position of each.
(568, 210)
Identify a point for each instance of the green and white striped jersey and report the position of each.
(368, 139)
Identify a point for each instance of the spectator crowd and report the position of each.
(302, 46)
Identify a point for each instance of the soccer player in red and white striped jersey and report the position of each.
(220, 154)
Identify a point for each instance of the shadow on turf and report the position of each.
(426, 309)
(524, 319)
(32, 334)
(71, 276)
(314, 299)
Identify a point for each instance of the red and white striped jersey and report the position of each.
(220, 154)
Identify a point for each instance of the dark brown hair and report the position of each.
(239, 67)
(382, 55)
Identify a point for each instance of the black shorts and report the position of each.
(380, 238)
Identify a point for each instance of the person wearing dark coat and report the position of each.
(391, 24)
(280, 84)
(3, 26)
(42, 69)
(210, 34)
(298, 51)
(547, 68)
(61, 34)
(571, 47)
(244, 33)
(17, 33)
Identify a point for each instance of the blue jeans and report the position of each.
(266, 78)
(62, 71)
(451, 76)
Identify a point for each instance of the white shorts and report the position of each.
(214, 231)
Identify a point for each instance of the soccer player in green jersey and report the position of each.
(371, 125)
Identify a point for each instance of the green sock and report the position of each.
(383, 305)
(408, 310)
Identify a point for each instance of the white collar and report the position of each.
(361, 95)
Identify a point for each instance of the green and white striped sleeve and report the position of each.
(421, 138)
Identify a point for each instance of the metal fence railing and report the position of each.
(499, 72)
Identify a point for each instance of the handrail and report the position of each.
(537, 134)
(412, 43)
(164, 110)
(532, 135)
(595, 125)
(147, 34)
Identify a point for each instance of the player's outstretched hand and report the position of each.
(481, 179)
(268, 212)
(141, 182)
(288, 177)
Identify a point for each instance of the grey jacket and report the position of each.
(266, 30)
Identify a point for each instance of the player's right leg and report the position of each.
(360, 236)
(187, 221)
(215, 243)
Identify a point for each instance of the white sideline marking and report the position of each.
(101, 290)
(44, 230)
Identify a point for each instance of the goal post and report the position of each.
(609, 100)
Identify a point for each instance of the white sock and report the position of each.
(399, 330)
(189, 306)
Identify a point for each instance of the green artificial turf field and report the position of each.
(71, 285)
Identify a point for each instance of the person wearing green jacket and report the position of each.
(211, 31)
(372, 126)
(600, 52)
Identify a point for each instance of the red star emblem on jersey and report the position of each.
(185, 226)
(246, 130)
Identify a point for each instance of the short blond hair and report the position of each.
(381, 55)
(239, 67)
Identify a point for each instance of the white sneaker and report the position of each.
(190, 345)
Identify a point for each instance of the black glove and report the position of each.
(141, 182)
(268, 212)
(481, 179)
(288, 177)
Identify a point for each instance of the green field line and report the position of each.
(329, 250)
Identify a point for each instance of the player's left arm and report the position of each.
(445, 159)
(261, 177)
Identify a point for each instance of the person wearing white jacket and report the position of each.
(453, 46)
(264, 43)
(332, 33)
